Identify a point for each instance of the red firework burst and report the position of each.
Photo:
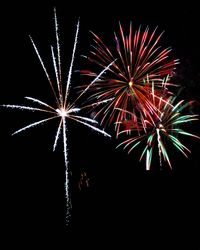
(139, 58)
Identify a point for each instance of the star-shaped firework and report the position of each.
(64, 109)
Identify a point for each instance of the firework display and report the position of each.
(64, 109)
(162, 131)
(138, 56)
(140, 82)
(127, 87)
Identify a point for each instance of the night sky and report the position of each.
(122, 197)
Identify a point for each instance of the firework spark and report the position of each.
(164, 129)
(64, 109)
(139, 57)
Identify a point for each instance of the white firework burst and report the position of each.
(64, 109)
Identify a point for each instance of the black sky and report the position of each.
(121, 193)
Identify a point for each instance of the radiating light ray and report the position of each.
(66, 162)
(58, 49)
(96, 79)
(33, 125)
(163, 131)
(38, 101)
(45, 70)
(97, 103)
(140, 60)
(57, 76)
(90, 126)
(159, 147)
(84, 118)
(71, 65)
(26, 108)
(64, 109)
(57, 135)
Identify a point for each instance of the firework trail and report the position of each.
(64, 109)
(164, 129)
(138, 57)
